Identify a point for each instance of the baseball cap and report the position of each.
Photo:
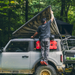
(43, 20)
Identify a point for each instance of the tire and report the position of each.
(45, 70)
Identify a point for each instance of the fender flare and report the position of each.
(50, 62)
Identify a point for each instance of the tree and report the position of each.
(14, 13)
(7, 20)
(26, 10)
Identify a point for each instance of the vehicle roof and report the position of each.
(28, 39)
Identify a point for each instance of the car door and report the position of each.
(17, 56)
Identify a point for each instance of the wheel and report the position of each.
(72, 48)
(45, 70)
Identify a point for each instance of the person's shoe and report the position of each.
(45, 63)
(42, 62)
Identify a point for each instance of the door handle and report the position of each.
(25, 56)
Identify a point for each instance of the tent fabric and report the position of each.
(30, 27)
(64, 28)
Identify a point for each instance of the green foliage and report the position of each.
(13, 14)
(8, 20)
(35, 7)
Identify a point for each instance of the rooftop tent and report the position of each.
(30, 27)
(64, 28)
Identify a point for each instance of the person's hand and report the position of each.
(32, 37)
(51, 12)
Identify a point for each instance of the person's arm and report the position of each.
(52, 16)
(34, 34)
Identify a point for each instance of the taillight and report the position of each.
(61, 58)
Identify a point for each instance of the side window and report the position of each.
(35, 48)
(53, 46)
(18, 47)
(34, 45)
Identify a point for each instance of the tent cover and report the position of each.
(30, 27)
(64, 28)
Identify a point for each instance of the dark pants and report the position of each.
(45, 44)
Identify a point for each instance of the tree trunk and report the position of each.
(9, 21)
(26, 10)
(62, 9)
(66, 13)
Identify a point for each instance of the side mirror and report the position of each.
(0, 51)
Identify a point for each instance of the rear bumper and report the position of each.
(61, 68)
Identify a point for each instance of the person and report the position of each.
(44, 36)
